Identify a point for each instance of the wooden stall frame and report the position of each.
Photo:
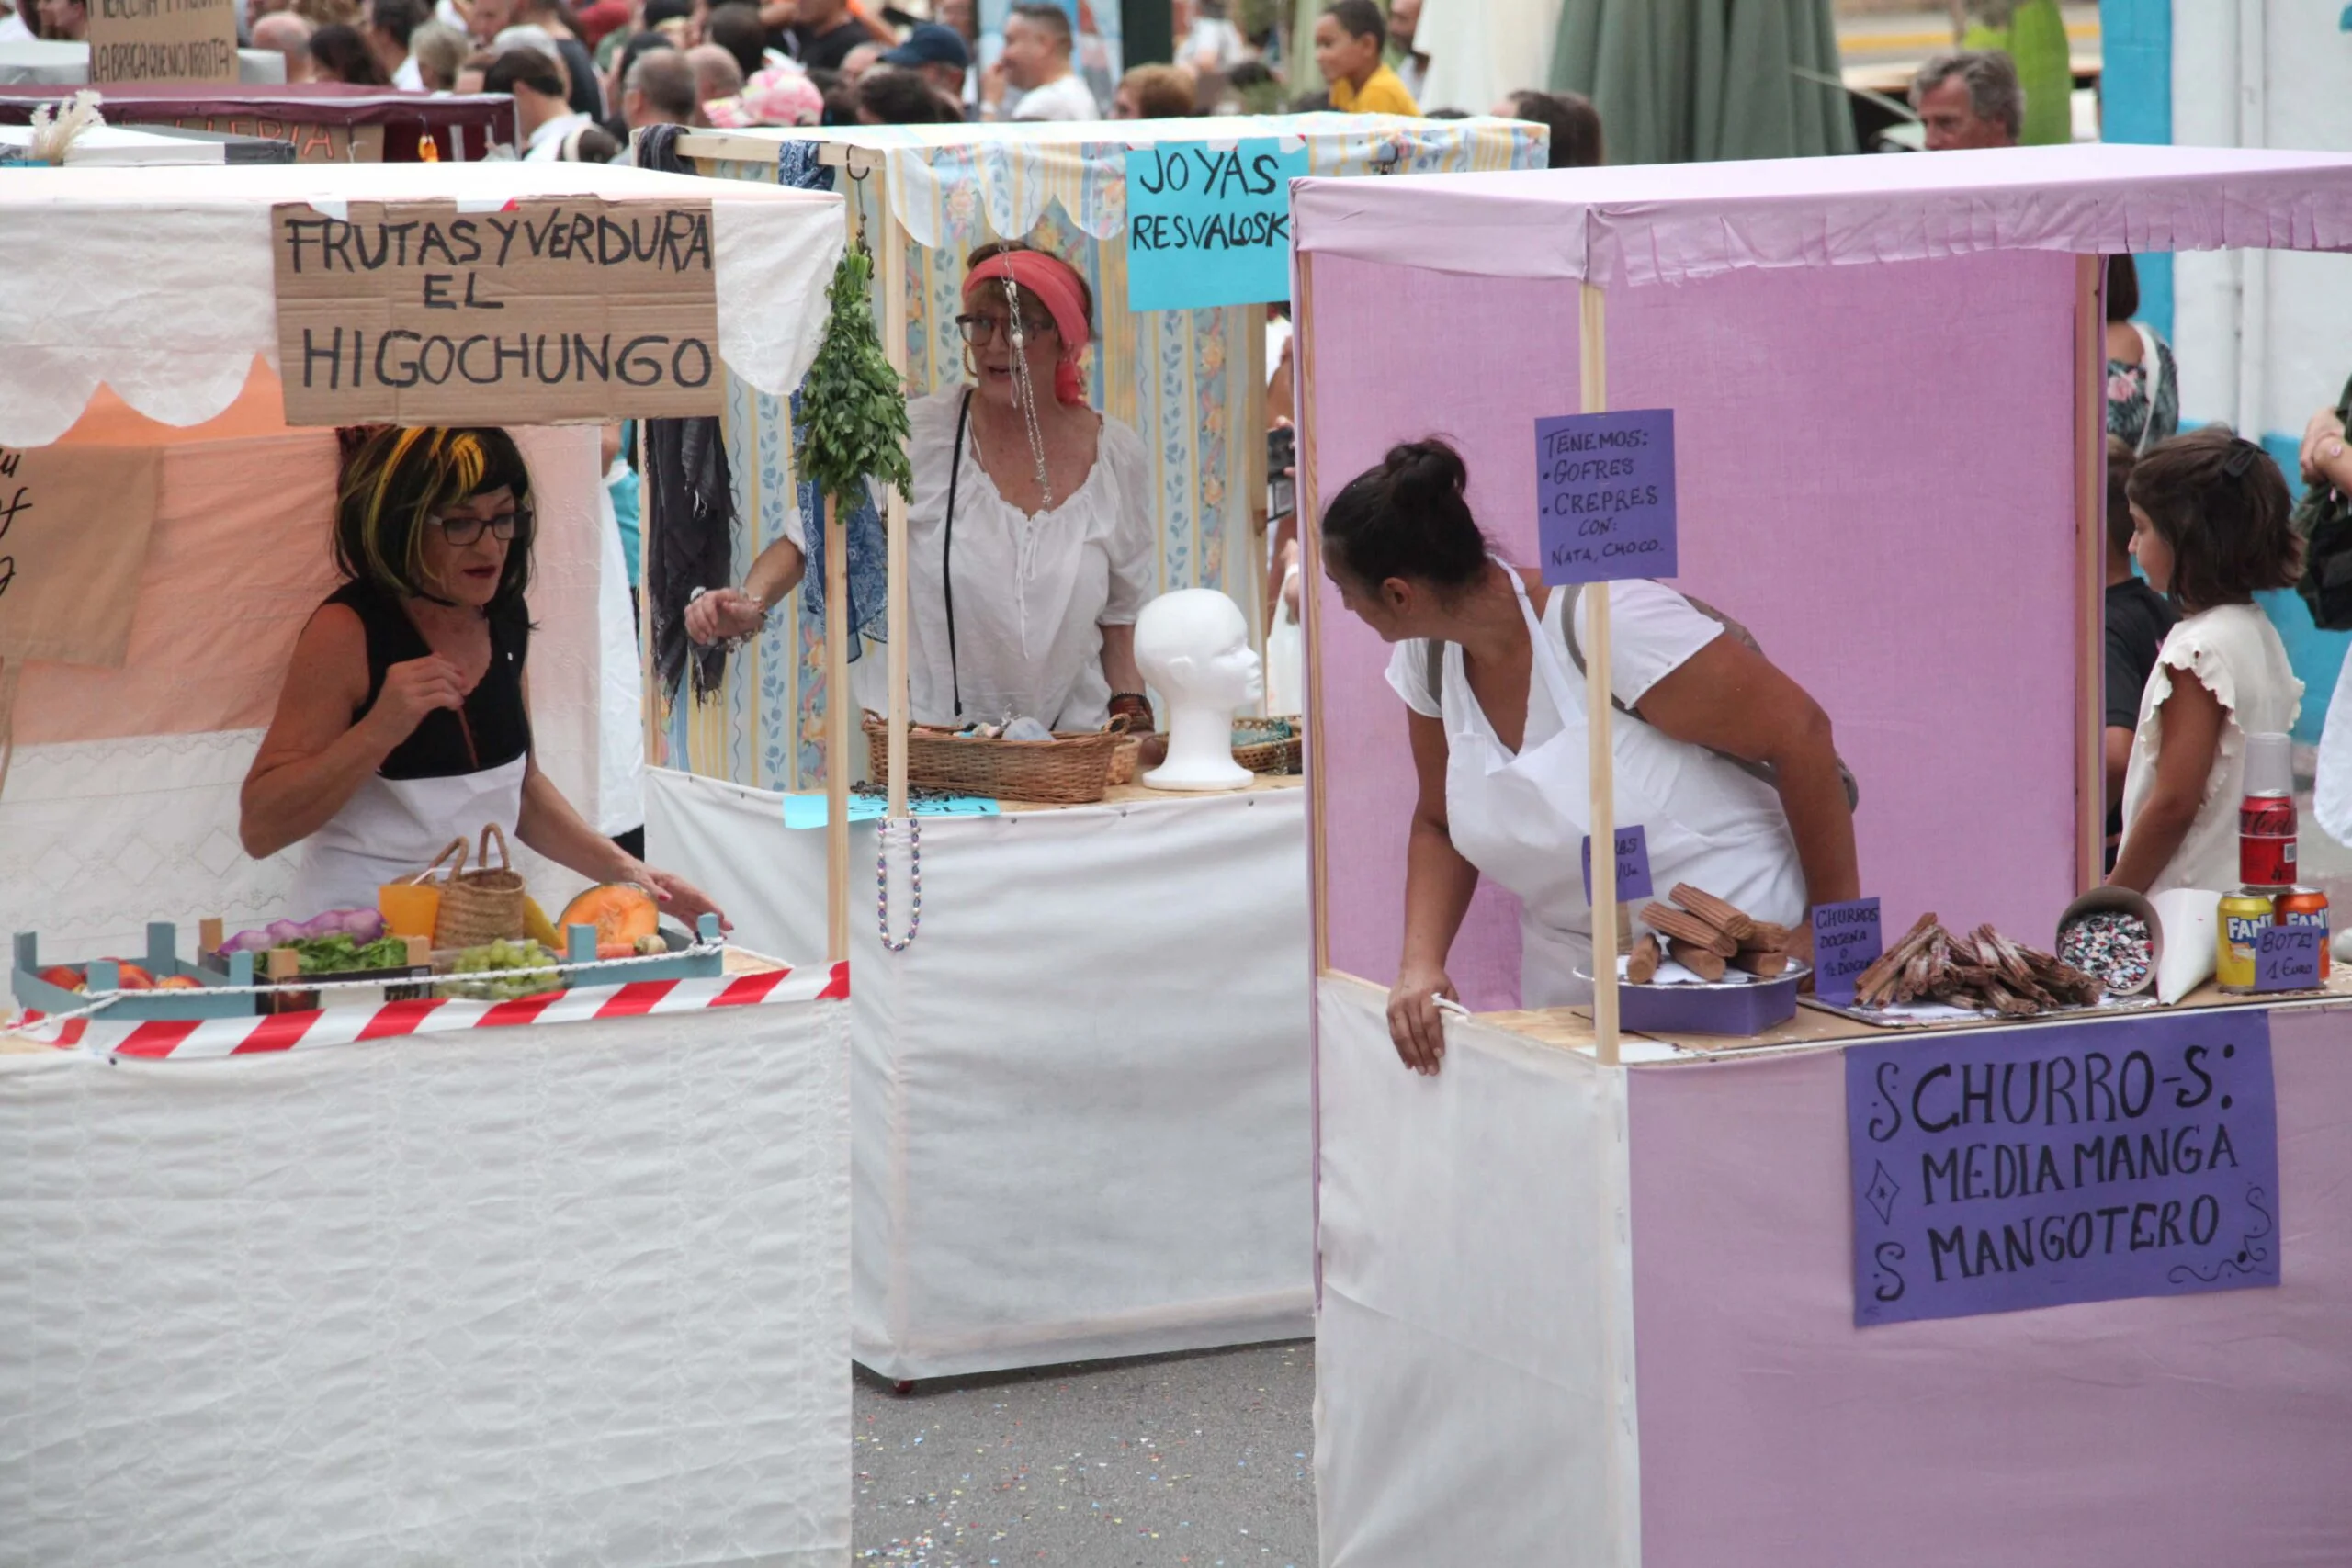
(2090, 502)
(2090, 567)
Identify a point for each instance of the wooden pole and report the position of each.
(1310, 546)
(1592, 340)
(837, 735)
(895, 600)
(2090, 570)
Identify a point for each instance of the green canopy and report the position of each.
(2035, 38)
(1681, 81)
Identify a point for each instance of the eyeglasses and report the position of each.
(463, 531)
(978, 330)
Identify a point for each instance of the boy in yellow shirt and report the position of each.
(1348, 40)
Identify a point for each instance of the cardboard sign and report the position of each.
(2081, 1162)
(163, 40)
(1846, 940)
(1209, 224)
(1604, 495)
(1632, 865)
(74, 527)
(313, 143)
(2286, 958)
(535, 313)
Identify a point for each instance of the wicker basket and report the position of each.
(482, 905)
(1276, 756)
(1070, 770)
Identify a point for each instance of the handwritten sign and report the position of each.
(2286, 958)
(1633, 864)
(74, 523)
(536, 313)
(2079, 1162)
(163, 40)
(1604, 495)
(1846, 940)
(313, 143)
(1208, 223)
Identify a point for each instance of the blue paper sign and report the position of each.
(1846, 940)
(809, 810)
(1633, 864)
(1208, 223)
(1604, 495)
(2074, 1162)
(2286, 958)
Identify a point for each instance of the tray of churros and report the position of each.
(1700, 966)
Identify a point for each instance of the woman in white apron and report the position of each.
(1725, 763)
(406, 721)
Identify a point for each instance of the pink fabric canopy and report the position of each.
(1665, 224)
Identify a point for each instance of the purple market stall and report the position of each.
(1936, 1287)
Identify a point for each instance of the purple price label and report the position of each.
(1604, 495)
(2286, 958)
(1633, 864)
(1846, 940)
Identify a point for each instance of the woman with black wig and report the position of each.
(406, 721)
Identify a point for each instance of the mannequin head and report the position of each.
(1193, 644)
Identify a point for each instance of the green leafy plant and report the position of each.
(852, 409)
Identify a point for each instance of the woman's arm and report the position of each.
(1438, 885)
(1119, 666)
(1731, 698)
(552, 826)
(2192, 719)
(740, 611)
(313, 757)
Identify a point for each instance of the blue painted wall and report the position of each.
(2135, 104)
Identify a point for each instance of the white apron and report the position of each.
(392, 829)
(1521, 819)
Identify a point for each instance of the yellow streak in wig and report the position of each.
(456, 462)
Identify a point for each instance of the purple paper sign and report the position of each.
(1633, 864)
(2073, 1162)
(2286, 958)
(1604, 495)
(1846, 941)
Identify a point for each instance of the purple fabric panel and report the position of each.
(1876, 477)
(2179, 1430)
(1665, 223)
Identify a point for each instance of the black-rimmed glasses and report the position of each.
(463, 531)
(978, 330)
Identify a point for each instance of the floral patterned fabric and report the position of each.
(1190, 382)
(2141, 413)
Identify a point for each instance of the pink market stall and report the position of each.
(1694, 1297)
(505, 1246)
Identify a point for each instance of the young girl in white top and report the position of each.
(2209, 530)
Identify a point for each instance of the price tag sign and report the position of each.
(2286, 958)
(1604, 495)
(1846, 940)
(1632, 865)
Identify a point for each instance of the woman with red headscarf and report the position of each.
(1029, 526)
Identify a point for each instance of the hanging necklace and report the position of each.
(1025, 392)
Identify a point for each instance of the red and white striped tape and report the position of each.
(206, 1039)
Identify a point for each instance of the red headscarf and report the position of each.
(1055, 282)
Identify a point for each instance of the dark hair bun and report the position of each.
(1407, 518)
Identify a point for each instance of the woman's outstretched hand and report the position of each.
(1416, 1025)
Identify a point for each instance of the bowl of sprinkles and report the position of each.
(2112, 934)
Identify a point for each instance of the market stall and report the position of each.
(551, 1247)
(328, 122)
(1080, 1094)
(1633, 1258)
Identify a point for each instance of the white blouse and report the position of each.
(2235, 653)
(1031, 592)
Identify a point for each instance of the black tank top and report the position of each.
(494, 729)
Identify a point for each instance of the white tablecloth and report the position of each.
(574, 1294)
(1080, 1100)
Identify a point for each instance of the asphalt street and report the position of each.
(1201, 1459)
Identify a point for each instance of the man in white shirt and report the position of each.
(536, 81)
(390, 23)
(1035, 67)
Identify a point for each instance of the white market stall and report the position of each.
(1603, 1297)
(1080, 1096)
(561, 1278)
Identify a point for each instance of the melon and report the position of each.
(622, 912)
